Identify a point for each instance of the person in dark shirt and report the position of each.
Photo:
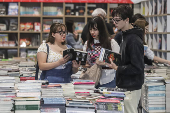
(130, 72)
(97, 12)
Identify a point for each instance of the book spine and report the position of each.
(156, 95)
(76, 83)
(27, 107)
(26, 78)
(156, 108)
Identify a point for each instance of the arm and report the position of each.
(43, 65)
(136, 56)
(161, 60)
(149, 54)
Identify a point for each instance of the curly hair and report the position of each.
(123, 11)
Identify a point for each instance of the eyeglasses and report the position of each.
(116, 20)
(61, 32)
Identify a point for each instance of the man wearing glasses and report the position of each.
(130, 73)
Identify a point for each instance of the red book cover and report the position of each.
(26, 78)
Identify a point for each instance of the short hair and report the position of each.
(123, 11)
(139, 16)
(141, 23)
(99, 11)
(69, 25)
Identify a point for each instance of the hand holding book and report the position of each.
(75, 64)
(112, 65)
(64, 59)
(76, 55)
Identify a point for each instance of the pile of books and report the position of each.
(7, 93)
(27, 105)
(167, 95)
(27, 71)
(52, 99)
(29, 94)
(112, 100)
(153, 94)
(79, 106)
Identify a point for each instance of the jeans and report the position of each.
(111, 84)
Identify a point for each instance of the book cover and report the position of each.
(160, 8)
(155, 8)
(165, 7)
(145, 48)
(76, 55)
(106, 54)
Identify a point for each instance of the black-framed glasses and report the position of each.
(61, 32)
(116, 20)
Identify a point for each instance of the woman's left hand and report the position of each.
(112, 65)
(75, 64)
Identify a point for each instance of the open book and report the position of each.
(76, 55)
(106, 54)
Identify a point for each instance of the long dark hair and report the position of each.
(104, 36)
(54, 27)
(70, 26)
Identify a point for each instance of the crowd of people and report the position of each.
(125, 37)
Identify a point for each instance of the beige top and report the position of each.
(52, 56)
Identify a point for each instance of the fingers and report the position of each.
(111, 61)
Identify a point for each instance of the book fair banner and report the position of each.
(78, 1)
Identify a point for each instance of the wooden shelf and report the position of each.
(28, 47)
(89, 16)
(73, 16)
(6, 16)
(158, 33)
(157, 15)
(160, 50)
(8, 47)
(8, 31)
(46, 16)
(30, 16)
(45, 32)
(33, 18)
(29, 32)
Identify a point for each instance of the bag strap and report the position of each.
(37, 66)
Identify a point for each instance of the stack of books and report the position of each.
(167, 95)
(111, 101)
(154, 92)
(31, 90)
(52, 99)
(7, 93)
(27, 105)
(27, 71)
(79, 106)
(10, 70)
(109, 105)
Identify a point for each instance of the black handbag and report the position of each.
(37, 66)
